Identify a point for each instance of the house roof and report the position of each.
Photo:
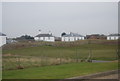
(44, 35)
(73, 35)
(96, 35)
(114, 35)
(1, 34)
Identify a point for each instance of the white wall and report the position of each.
(62, 38)
(41, 38)
(83, 38)
(50, 39)
(108, 38)
(66, 39)
(79, 38)
(2, 40)
(72, 38)
(36, 38)
(113, 38)
(116, 38)
(76, 38)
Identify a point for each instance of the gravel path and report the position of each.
(112, 76)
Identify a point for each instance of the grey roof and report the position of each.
(114, 35)
(73, 35)
(44, 35)
(1, 34)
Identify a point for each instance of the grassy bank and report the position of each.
(99, 51)
(57, 53)
(60, 71)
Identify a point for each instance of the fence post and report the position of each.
(90, 56)
(117, 54)
(19, 64)
(89, 59)
(76, 55)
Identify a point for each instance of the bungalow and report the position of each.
(113, 37)
(44, 37)
(72, 37)
(2, 39)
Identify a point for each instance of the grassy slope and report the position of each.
(60, 71)
(100, 51)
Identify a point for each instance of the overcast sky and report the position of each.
(20, 18)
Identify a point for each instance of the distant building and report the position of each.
(2, 39)
(72, 37)
(9, 40)
(113, 37)
(96, 36)
(44, 37)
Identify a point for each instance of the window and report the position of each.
(48, 38)
(43, 38)
(74, 38)
(68, 38)
(64, 38)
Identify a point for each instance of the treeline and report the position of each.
(24, 38)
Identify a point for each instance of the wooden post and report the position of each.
(76, 55)
(89, 59)
(19, 63)
(117, 54)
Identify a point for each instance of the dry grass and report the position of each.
(16, 62)
(46, 53)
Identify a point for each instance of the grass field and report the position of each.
(60, 71)
(58, 60)
(56, 53)
(99, 51)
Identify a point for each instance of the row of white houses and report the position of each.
(69, 37)
(113, 37)
(44, 37)
(50, 38)
(72, 37)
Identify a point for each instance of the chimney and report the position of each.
(49, 33)
(39, 31)
(71, 33)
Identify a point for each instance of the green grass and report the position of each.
(99, 51)
(60, 71)
(42, 55)
(32, 57)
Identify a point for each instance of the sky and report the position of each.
(21, 18)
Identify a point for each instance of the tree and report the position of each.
(25, 37)
(63, 34)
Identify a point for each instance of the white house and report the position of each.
(113, 37)
(44, 37)
(2, 39)
(72, 37)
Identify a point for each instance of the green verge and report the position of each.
(60, 71)
(99, 51)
